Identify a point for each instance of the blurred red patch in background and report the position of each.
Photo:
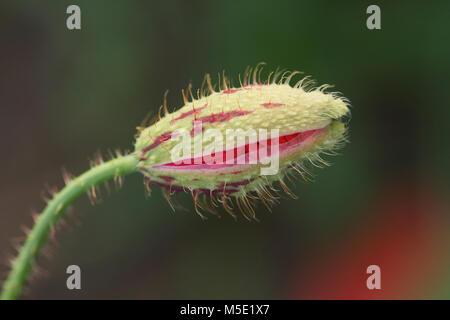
(406, 235)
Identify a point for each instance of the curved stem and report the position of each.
(22, 265)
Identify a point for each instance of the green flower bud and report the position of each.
(235, 142)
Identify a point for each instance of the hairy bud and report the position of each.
(235, 142)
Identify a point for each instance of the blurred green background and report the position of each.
(66, 94)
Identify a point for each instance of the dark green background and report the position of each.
(66, 94)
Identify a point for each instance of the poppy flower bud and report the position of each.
(236, 142)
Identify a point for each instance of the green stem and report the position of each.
(22, 265)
